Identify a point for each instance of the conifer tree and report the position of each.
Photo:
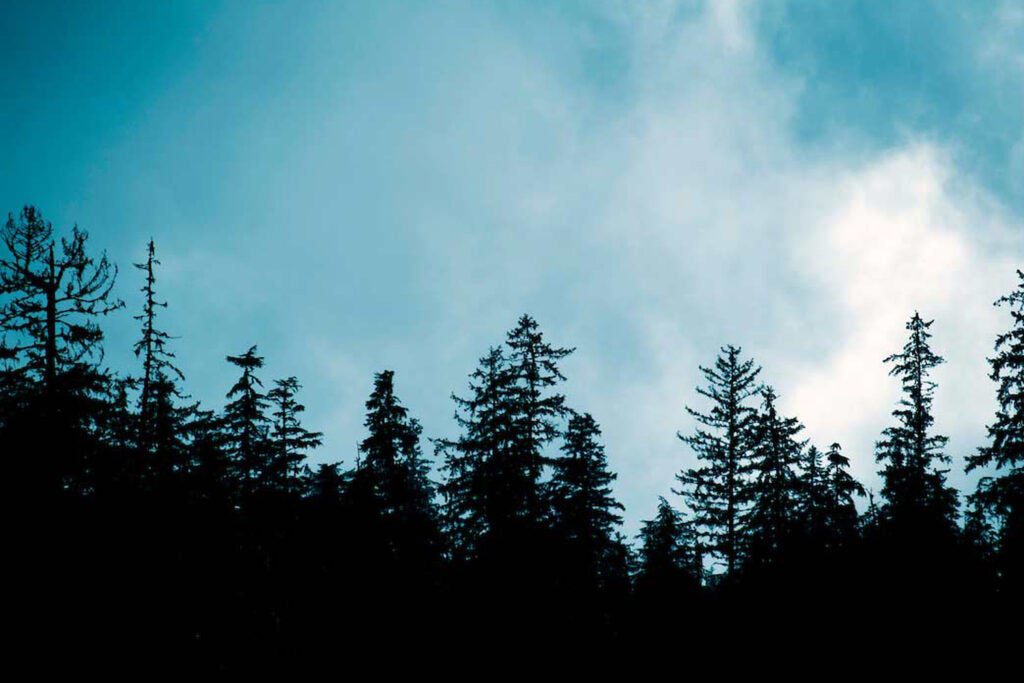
(774, 490)
(1000, 496)
(246, 428)
(158, 369)
(290, 440)
(913, 483)
(813, 492)
(584, 508)
(670, 556)
(54, 294)
(396, 474)
(538, 410)
(482, 482)
(841, 489)
(715, 490)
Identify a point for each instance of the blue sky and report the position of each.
(359, 186)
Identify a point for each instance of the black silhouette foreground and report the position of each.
(146, 531)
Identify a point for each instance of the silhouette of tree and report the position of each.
(54, 293)
(533, 365)
(1000, 497)
(396, 473)
(245, 424)
(670, 558)
(290, 440)
(715, 491)
(482, 480)
(158, 369)
(840, 489)
(813, 493)
(913, 484)
(774, 491)
(585, 510)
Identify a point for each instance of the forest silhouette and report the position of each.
(148, 529)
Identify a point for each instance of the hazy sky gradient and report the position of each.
(360, 186)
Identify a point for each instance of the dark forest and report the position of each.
(148, 529)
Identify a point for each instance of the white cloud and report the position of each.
(404, 187)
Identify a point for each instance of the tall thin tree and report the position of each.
(1000, 495)
(714, 490)
(913, 481)
(159, 371)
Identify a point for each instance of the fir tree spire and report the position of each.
(714, 490)
(912, 481)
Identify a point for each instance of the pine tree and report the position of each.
(55, 292)
(158, 369)
(482, 482)
(290, 440)
(537, 409)
(840, 489)
(813, 492)
(913, 484)
(1000, 496)
(584, 508)
(774, 490)
(714, 491)
(670, 557)
(512, 413)
(395, 472)
(246, 427)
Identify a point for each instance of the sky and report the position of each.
(364, 186)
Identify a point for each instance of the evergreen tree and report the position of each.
(774, 490)
(715, 490)
(537, 409)
(482, 482)
(913, 484)
(840, 489)
(290, 440)
(54, 294)
(395, 472)
(1000, 497)
(585, 510)
(813, 492)
(670, 557)
(246, 427)
(493, 489)
(158, 369)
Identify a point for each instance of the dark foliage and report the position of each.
(153, 534)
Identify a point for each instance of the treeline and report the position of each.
(147, 528)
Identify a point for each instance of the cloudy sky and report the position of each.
(360, 186)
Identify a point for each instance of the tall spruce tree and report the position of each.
(396, 474)
(585, 511)
(483, 484)
(538, 410)
(493, 490)
(245, 423)
(774, 491)
(813, 492)
(841, 489)
(914, 486)
(290, 441)
(160, 421)
(670, 557)
(1000, 496)
(715, 490)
